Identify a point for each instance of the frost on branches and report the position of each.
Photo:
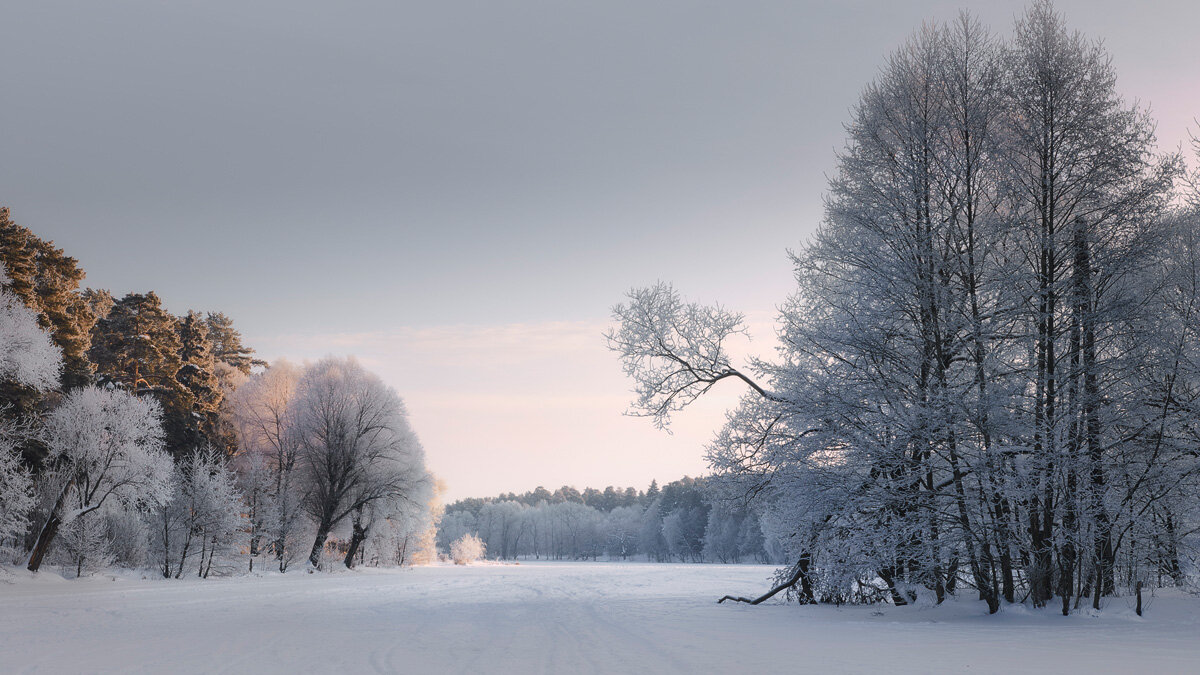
(358, 457)
(105, 444)
(28, 358)
(200, 524)
(266, 461)
(674, 351)
(467, 549)
(988, 378)
(16, 486)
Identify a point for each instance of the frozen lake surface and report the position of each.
(551, 618)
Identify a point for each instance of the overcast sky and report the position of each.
(457, 192)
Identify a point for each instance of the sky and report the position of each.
(458, 192)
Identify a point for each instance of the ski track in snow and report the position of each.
(552, 618)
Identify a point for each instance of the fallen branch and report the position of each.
(787, 584)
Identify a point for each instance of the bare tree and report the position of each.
(266, 460)
(356, 448)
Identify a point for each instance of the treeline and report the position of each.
(132, 436)
(989, 374)
(187, 363)
(685, 521)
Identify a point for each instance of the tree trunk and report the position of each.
(356, 539)
(888, 577)
(49, 530)
(187, 544)
(314, 557)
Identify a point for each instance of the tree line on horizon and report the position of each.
(687, 520)
(132, 436)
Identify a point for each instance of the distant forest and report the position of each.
(686, 520)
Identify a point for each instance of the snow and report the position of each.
(551, 617)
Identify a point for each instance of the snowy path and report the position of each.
(550, 618)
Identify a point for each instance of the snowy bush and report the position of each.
(128, 536)
(200, 525)
(467, 549)
(27, 355)
(16, 487)
(83, 546)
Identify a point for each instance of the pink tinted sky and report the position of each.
(509, 407)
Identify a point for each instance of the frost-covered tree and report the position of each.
(83, 545)
(28, 356)
(128, 534)
(16, 485)
(406, 516)
(103, 444)
(356, 447)
(259, 411)
(623, 527)
(201, 522)
(47, 281)
(971, 362)
(453, 525)
(503, 527)
(650, 536)
(28, 360)
(722, 536)
(408, 535)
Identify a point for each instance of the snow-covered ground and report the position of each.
(551, 618)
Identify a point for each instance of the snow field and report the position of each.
(550, 618)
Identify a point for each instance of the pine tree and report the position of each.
(137, 348)
(651, 493)
(227, 344)
(198, 376)
(47, 281)
(18, 257)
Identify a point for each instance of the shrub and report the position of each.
(467, 549)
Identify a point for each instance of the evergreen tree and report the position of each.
(198, 376)
(47, 281)
(99, 301)
(19, 258)
(651, 493)
(227, 344)
(137, 348)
